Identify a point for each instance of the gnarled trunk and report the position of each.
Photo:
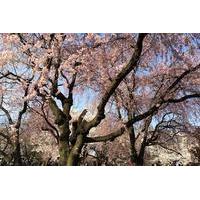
(63, 149)
(73, 158)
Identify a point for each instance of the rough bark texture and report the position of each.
(63, 126)
(17, 152)
(73, 158)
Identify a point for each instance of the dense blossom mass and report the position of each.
(61, 94)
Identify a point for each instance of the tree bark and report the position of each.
(17, 151)
(62, 122)
(63, 148)
(140, 158)
(132, 145)
(73, 158)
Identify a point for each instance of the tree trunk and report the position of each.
(140, 158)
(17, 151)
(134, 155)
(62, 121)
(63, 150)
(73, 158)
(136, 159)
(64, 144)
(139, 161)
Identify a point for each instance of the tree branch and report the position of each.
(116, 81)
(109, 137)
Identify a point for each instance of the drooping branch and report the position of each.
(156, 108)
(56, 134)
(53, 130)
(184, 98)
(181, 77)
(7, 114)
(135, 119)
(154, 133)
(169, 149)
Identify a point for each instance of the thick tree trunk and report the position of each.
(62, 121)
(132, 145)
(64, 148)
(17, 156)
(140, 158)
(73, 158)
(17, 152)
(136, 158)
(139, 161)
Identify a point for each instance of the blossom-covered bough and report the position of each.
(133, 76)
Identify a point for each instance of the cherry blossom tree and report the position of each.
(135, 76)
(153, 89)
(13, 117)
